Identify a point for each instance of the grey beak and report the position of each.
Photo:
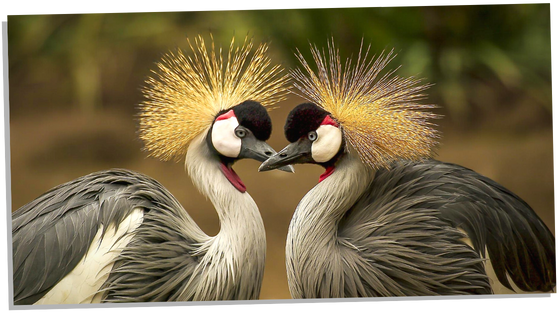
(259, 150)
(293, 153)
(287, 168)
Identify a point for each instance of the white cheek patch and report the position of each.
(224, 139)
(329, 139)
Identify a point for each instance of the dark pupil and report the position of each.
(312, 136)
(240, 133)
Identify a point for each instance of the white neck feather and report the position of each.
(327, 202)
(241, 242)
(235, 209)
(313, 229)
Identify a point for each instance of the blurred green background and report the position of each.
(74, 83)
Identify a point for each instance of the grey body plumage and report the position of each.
(166, 257)
(401, 232)
(412, 228)
(52, 233)
(386, 219)
(120, 236)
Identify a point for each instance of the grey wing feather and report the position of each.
(51, 234)
(409, 252)
(517, 240)
(49, 237)
(160, 261)
(406, 227)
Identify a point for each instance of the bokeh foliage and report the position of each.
(486, 61)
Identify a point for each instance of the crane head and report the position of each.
(240, 133)
(353, 105)
(380, 114)
(315, 138)
(190, 90)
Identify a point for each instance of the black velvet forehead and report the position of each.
(303, 119)
(253, 116)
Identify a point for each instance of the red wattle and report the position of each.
(327, 172)
(233, 178)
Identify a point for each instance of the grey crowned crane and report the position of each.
(120, 236)
(385, 219)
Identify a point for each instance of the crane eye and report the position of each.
(312, 135)
(240, 133)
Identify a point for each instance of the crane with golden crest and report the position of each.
(385, 218)
(120, 236)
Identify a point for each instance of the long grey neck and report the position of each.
(312, 236)
(241, 242)
(236, 210)
(324, 205)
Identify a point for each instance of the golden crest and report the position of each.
(380, 115)
(188, 91)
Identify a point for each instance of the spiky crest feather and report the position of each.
(381, 117)
(187, 92)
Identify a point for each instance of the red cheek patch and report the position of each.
(227, 115)
(329, 121)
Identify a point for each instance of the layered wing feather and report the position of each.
(410, 224)
(51, 234)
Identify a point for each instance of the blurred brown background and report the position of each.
(74, 85)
